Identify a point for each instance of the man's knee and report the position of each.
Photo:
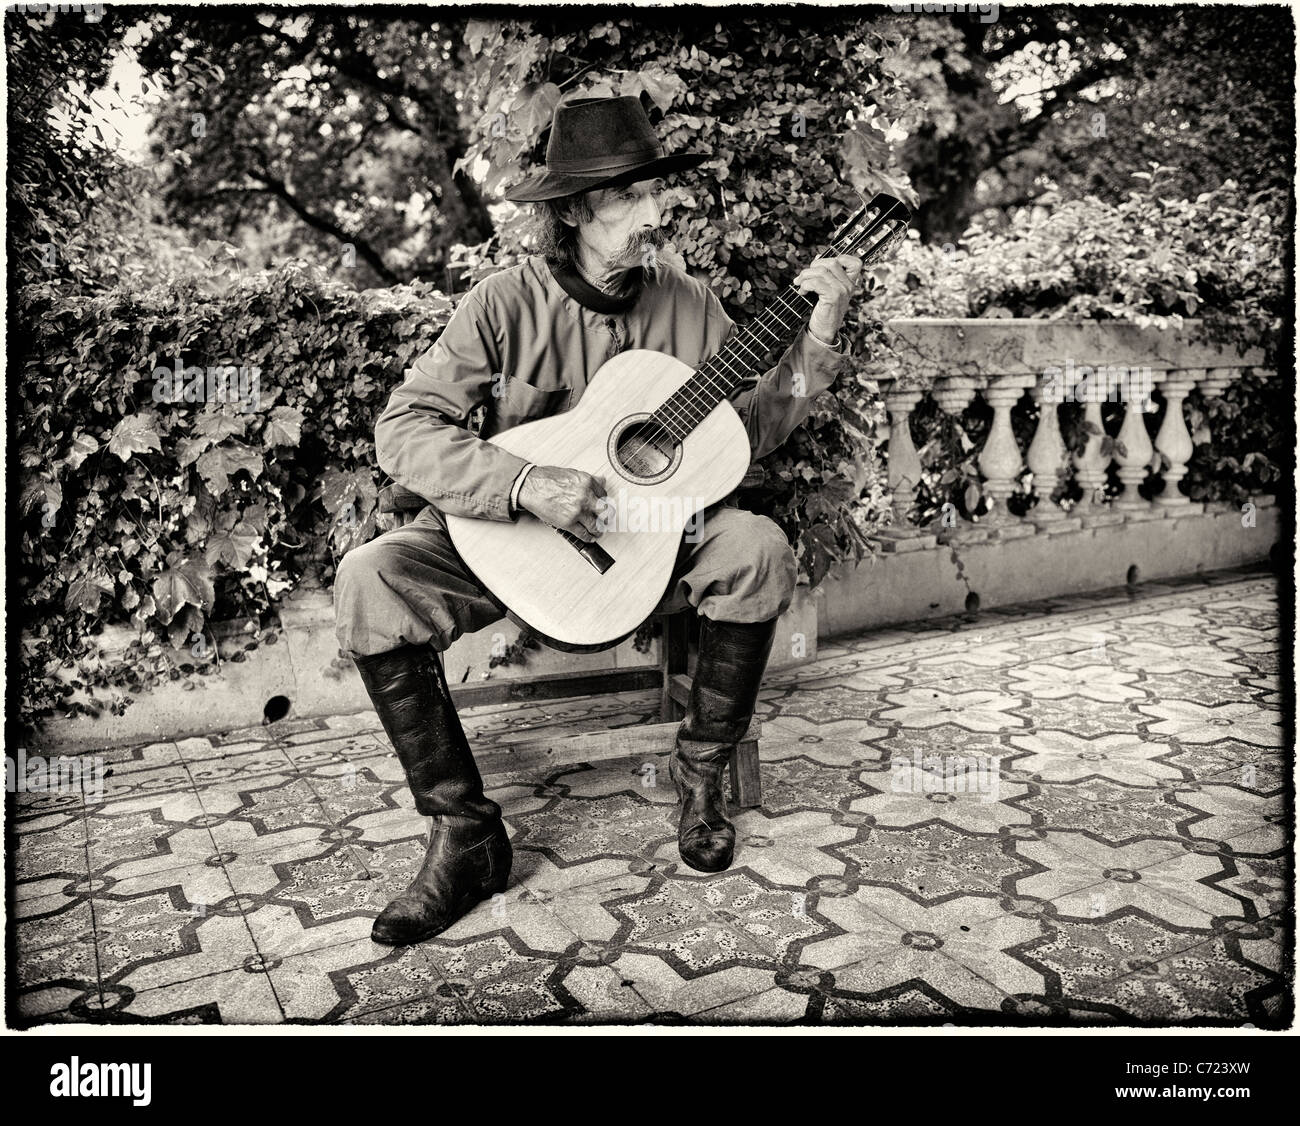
(357, 575)
(762, 564)
(358, 587)
(774, 558)
(404, 589)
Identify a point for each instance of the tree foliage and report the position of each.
(1076, 99)
(341, 122)
(1153, 257)
(56, 171)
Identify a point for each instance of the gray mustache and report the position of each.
(656, 238)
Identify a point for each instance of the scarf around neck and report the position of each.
(587, 295)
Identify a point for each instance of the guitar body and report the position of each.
(584, 599)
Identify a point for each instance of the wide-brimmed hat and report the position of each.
(596, 141)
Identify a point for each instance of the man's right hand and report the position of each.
(568, 499)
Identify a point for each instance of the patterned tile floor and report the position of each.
(1074, 811)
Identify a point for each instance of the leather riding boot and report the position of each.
(731, 661)
(469, 852)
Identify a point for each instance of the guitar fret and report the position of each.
(672, 414)
(739, 341)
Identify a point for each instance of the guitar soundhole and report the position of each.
(642, 450)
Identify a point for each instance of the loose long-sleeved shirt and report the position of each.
(521, 344)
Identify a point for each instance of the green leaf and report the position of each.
(663, 86)
(135, 434)
(185, 585)
(83, 445)
(234, 546)
(340, 488)
(189, 449)
(534, 106)
(216, 466)
(218, 424)
(37, 492)
(476, 31)
(283, 428)
(86, 591)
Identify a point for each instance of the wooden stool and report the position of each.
(526, 751)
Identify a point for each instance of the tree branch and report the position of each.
(1020, 137)
(280, 191)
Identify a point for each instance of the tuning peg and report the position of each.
(861, 211)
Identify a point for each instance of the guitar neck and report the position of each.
(744, 355)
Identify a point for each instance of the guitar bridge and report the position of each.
(593, 553)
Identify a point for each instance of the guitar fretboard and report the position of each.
(744, 355)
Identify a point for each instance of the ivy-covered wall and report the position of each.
(183, 454)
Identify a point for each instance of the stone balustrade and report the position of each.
(1150, 371)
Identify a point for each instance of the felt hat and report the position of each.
(596, 142)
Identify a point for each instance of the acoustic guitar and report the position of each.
(666, 443)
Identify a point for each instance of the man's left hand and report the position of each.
(833, 280)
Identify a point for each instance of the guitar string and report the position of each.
(690, 404)
(680, 411)
(757, 326)
(721, 359)
(684, 410)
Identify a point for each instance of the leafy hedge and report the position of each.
(139, 507)
(1149, 259)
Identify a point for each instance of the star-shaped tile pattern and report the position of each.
(1070, 812)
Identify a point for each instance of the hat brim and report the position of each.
(546, 184)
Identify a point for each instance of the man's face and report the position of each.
(625, 221)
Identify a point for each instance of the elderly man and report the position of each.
(524, 343)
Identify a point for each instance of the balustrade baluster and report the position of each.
(1090, 471)
(1133, 454)
(953, 394)
(1000, 461)
(904, 475)
(1175, 442)
(1048, 461)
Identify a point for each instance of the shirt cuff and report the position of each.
(515, 489)
(837, 345)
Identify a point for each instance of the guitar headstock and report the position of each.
(873, 230)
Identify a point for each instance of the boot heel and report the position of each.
(500, 863)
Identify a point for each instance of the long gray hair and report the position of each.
(556, 240)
